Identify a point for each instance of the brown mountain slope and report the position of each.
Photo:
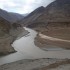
(56, 14)
(32, 16)
(8, 33)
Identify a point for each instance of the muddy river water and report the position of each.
(26, 49)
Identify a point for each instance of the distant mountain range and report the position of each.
(32, 16)
(9, 16)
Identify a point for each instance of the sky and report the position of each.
(22, 6)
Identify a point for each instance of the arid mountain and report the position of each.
(15, 16)
(8, 33)
(32, 16)
(9, 16)
(58, 12)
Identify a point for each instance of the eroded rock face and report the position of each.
(8, 33)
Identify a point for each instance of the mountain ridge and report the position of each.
(57, 11)
(10, 16)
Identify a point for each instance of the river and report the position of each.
(26, 49)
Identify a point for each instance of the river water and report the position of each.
(26, 49)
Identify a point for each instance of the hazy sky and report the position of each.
(22, 6)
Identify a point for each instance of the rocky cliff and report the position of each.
(8, 33)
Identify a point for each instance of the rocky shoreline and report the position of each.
(36, 64)
(6, 42)
(8, 34)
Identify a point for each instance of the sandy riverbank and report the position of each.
(54, 38)
(46, 43)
